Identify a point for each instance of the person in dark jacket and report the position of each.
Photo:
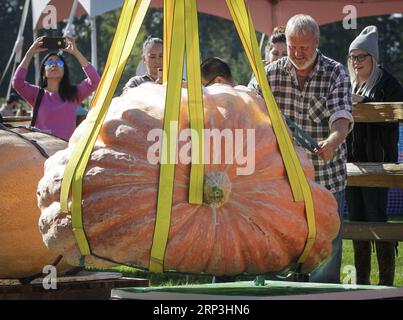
(371, 142)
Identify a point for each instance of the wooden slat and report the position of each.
(388, 231)
(17, 119)
(371, 174)
(378, 112)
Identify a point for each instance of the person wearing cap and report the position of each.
(10, 109)
(314, 91)
(371, 142)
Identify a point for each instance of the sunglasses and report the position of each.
(359, 58)
(49, 63)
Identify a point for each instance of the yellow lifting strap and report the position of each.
(298, 182)
(195, 101)
(169, 145)
(130, 21)
(185, 18)
(168, 16)
(194, 90)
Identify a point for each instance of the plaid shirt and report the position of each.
(325, 97)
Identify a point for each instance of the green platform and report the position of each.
(272, 290)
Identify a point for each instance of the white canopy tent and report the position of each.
(64, 10)
(266, 13)
(68, 9)
(92, 7)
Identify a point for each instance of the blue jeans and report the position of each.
(329, 272)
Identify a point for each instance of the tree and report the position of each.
(10, 15)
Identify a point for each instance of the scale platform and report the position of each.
(271, 290)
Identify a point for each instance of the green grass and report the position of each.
(171, 279)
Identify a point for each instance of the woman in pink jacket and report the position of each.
(57, 110)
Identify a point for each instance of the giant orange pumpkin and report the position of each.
(22, 251)
(255, 226)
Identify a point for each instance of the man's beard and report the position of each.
(307, 64)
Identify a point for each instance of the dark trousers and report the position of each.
(369, 205)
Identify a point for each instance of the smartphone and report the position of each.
(160, 75)
(54, 43)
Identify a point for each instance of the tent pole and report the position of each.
(273, 14)
(260, 48)
(17, 49)
(94, 56)
(69, 29)
(261, 42)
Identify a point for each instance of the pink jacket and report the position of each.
(56, 116)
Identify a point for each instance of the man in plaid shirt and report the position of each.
(315, 92)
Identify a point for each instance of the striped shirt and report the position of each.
(324, 98)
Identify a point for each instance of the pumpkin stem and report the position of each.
(217, 188)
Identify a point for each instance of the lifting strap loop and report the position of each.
(169, 145)
(297, 179)
(185, 18)
(168, 20)
(130, 21)
(195, 101)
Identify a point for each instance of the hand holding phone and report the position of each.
(159, 79)
(36, 47)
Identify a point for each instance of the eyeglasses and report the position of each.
(49, 63)
(359, 58)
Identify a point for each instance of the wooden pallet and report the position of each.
(85, 285)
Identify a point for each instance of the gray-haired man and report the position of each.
(315, 92)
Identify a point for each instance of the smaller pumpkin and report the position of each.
(22, 251)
